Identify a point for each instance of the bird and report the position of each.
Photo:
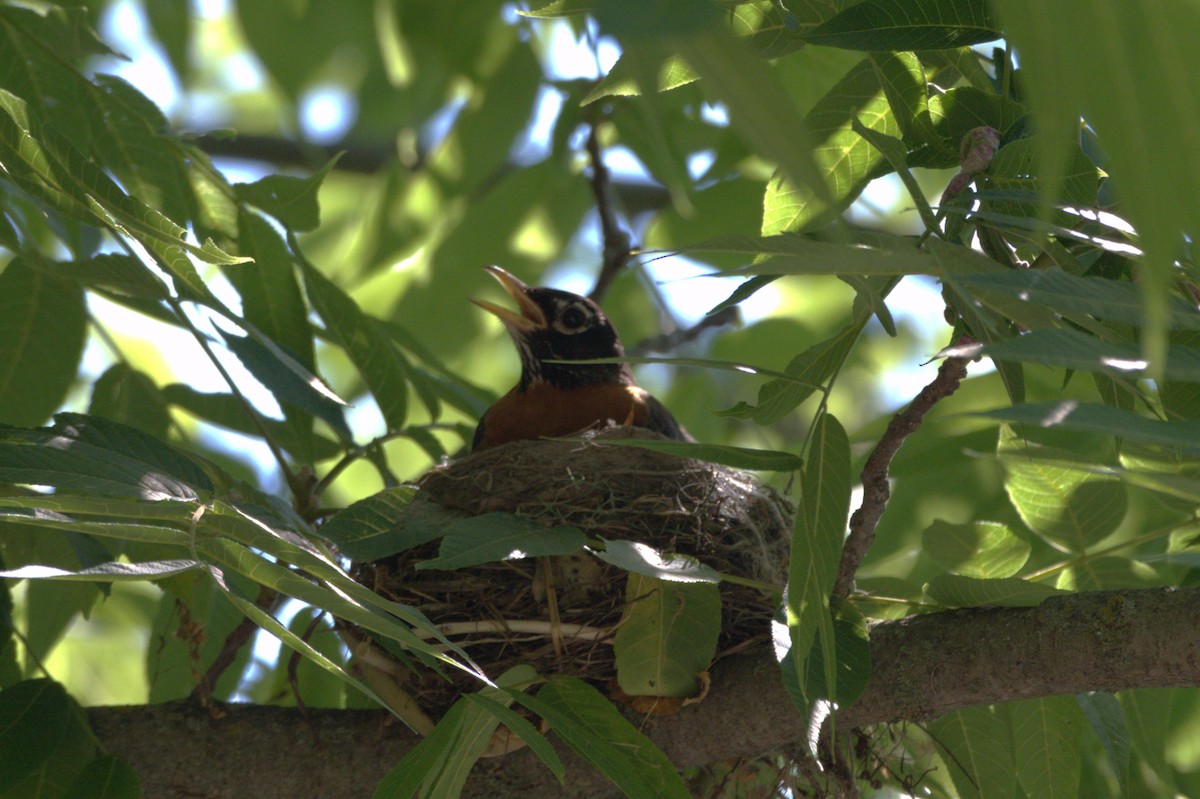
(554, 399)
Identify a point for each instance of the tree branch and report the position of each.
(617, 243)
(922, 667)
(876, 489)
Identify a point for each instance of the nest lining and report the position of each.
(547, 612)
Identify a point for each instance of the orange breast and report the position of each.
(542, 411)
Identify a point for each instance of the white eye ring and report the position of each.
(565, 320)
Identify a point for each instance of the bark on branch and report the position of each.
(923, 667)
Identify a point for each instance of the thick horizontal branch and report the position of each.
(923, 667)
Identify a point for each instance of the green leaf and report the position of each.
(845, 161)
(471, 732)
(760, 108)
(809, 370)
(382, 366)
(377, 526)
(114, 571)
(271, 296)
(97, 456)
(620, 81)
(1145, 711)
(120, 273)
(1073, 349)
(1014, 169)
(956, 591)
(737, 457)
(899, 25)
(984, 550)
(666, 637)
(1114, 300)
(1046, 746)
(816, 549)
(979, 751)
(851, 663)
(1070, 507)
(133, 142)
(226, 410)
(792, 254)
(293, 201)
(896, 153)
(129, 396)
(1099, 73)
(902, 77)
(956, 112)
(404, 779)
(1096, 418)
(1107, 719)
(536, 742)
(501, 536)
(589, 724)
(172, 26)
(289, 380)
(639, 558)
(43, 322)
(106, 777)
(59, 754)
(34, 715)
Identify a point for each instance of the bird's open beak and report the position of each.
(531, 317)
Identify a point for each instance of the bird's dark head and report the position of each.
(554, 325)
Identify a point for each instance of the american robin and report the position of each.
(557, 399)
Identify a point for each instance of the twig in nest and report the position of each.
(617, 242)
(875, 473)
(581, 632)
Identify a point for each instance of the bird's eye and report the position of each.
(573, 319)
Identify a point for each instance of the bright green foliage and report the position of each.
(219, 376)
(667, 636)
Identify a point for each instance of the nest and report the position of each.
(559, 614)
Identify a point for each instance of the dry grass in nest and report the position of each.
(558, 614)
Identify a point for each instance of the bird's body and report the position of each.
(555, 396)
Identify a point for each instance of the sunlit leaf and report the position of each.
(94, 455)
(383, 367)
(293, 201)
(500, 536)
(896, 25)
(816, 548)
(1046, 746)
(639, 558)
(981, 549)
(105, 572)
(845, 160)
(979, 751)
(667, 636)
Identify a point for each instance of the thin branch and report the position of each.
(669, 342)
(238, 637)
(876, 490)
(618, 245)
